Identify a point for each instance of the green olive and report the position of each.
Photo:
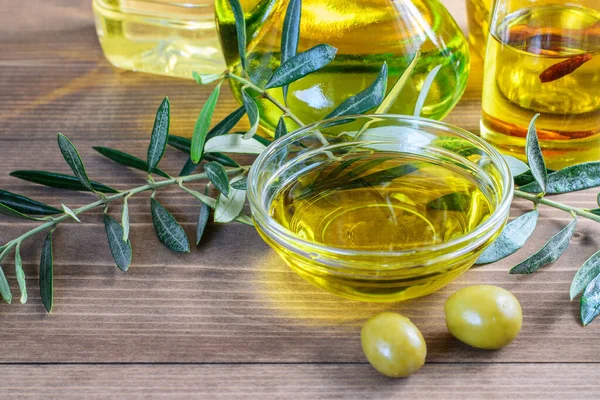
(393, 345)
(484, 316)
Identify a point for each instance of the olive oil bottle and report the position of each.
(381, 203)
(545, 60)
(165, 37)
(366, 33)
(478, 17)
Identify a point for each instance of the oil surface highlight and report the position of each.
(381, 203)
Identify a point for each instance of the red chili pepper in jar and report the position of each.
(564, 68)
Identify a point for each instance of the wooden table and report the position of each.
(228, 320)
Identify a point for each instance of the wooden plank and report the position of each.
(441, 381)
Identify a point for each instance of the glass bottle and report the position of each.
(543, 56)
(366, 33)
(166, 37)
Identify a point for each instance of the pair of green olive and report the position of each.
(484, 316)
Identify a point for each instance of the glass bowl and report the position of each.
(406, 243)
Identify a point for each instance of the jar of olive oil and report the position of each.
(366, 33)
(166, 37)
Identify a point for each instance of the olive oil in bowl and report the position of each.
(396, 213)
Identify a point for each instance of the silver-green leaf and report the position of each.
(202, 222)
(301, 65)
(234, 143)
(549, 253)
(6, 210)
(229, 207)
(425, 90)
(5, 288)
(589, 307)
(125, 219)
(516, 166)
(512, 238)
(240, 26)
(72, 157)
(160, 134)
(535, 158)
(218, 176)
(169, 232)
(588, 271)
(120, 250)
(46, 274)
(290, 34)
(60, 181)
(202, 125)
(203, 79)
(227, 124)
(20, 274)
(363, 101)
(252, 111)
(70, 213)
(569, 179)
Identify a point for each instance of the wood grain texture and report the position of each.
(245, 323)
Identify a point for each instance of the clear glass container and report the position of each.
(385, 239)
(366, 33)
(478, 16)
(165, 37)
(543, 56)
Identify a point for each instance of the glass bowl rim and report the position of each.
(461, 242)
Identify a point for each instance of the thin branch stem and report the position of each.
(543, 200)
(109, 199)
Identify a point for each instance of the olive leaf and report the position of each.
(203, 123)
(26, 205)
(229, 207)
(363, 101)
(160, 134)
(128, 160)
(588, 271)
(234, 143)
(70, 213)
(218, 176)
(527, 177)
(188, 168)
(46, 274)
(125, 220)
(120, 249)
(212, 203)
(5, 288)
(6, 210)
(227, 124)
(281, 129)
(512, 238)
(252, 111)
(240, 26)
(60, 181)
(240, 184)
(393, 94)
(516, 166)
(569, 179)
(549, 253)
(589, 307)
(535, 158)
(595, 211)
(204, 79)
(71, 156)
(202, 222)
(425, 90)
(301, 65)
(20, 274)
(290, 34)
(169, 232)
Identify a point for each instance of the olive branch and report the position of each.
(207, 146)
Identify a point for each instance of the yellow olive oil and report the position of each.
(366, 33)
(545, 60)
(165, 37)
(365, 207)
(478, 18)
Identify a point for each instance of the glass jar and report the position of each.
(165, 37)
(366, 33)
